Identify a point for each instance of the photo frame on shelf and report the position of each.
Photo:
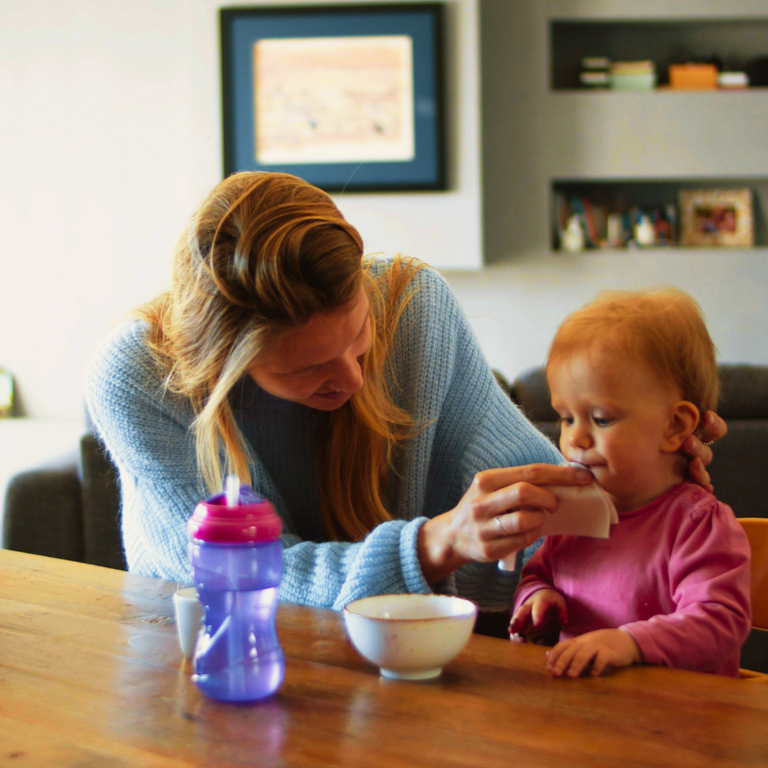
(348, 97)
(717, 217)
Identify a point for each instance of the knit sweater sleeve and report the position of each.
(147, 435)
(332, 574)
(471, 426)
(709, 582)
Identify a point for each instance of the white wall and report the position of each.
(109, 138)
(516, 306)
(111, 135)
(524, 292)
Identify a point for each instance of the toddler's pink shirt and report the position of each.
(674, 573)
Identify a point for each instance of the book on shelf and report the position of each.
(733, 80)
(633, 67)
(595, 79)
(596, 63)
(633, 75)
(693, 77)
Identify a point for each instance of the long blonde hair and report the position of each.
(262, 254)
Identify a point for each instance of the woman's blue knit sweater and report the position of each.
(440, 377)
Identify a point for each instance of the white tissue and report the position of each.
(583, 510)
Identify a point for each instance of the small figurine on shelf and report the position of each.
(662, 227)
(644, 232)
(616, 238)
(573, 239)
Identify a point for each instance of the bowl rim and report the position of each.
(472, 607)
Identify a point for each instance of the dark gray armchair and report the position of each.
(69, 509)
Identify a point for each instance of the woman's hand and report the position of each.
(542, 614)
(602, 649)
(699, 453)
(501, 512)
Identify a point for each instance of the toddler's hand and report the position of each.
(541, 613)
(603, 648)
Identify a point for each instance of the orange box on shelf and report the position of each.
(693, 76)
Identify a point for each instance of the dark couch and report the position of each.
(68, 509)
(72, 510)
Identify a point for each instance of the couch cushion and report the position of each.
(43, 513)
(101, 506)
(530, 391)
(738, 465)
(743, 392)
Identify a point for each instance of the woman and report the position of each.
(349, 392)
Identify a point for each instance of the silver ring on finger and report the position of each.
(502, 530)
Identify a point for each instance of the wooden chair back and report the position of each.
(756, 529)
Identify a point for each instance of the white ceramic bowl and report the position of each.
(410, 637)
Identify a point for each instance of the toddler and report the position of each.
(630, 374)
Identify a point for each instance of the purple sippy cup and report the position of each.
(238, 561)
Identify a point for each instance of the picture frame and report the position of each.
(717, 217)
(348, 97)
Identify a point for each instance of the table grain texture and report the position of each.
(91, 676)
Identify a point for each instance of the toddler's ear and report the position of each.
(683, 422)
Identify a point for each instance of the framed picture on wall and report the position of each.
(717, 217)
(348, 97)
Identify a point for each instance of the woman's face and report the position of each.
(319, 363)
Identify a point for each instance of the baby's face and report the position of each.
(614, 413)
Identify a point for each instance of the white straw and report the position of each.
(232, 490)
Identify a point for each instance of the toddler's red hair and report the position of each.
(662, 327)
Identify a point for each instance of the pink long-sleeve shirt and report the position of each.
(674, 573)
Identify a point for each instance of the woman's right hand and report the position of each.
(502, 512)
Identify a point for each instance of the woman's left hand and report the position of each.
(699, 453)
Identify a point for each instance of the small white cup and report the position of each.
(189, 618)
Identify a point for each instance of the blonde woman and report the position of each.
(350, 392)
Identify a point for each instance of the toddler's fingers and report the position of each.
(602, 660)
(581, 659)
(519, 621)
(560, 657)
(562, 613)
(539, 613)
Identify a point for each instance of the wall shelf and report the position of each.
(671, 251)
(735, 42)
(629, 151)
(756, 91)
(622, 195)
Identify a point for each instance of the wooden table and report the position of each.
(91, 675)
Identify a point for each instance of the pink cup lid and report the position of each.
(253, 520)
